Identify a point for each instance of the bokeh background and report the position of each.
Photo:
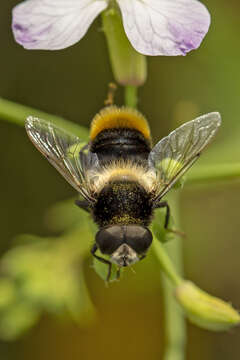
(73, 84)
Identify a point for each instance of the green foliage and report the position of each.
(7, 291)
(17, 114)
(46, 274)
(18, 317)
(16, 313)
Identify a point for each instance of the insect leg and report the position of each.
(161, 205)
(83, 204)
(118, 273)
(105, 261)
(167, 218)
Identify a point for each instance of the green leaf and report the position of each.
(48, 274)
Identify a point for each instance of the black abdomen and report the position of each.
(121, 143)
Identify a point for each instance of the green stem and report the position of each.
(131, 96)
(175, 328)
(166, 263)
(213, 173)
(129, 67)
(17, 114)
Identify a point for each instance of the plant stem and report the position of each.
(166, 263)
(131, 96)
(213, 173)
(17, 114)
(175, 328)
(129, 67)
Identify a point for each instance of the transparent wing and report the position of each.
(66, 152)
(175, 154)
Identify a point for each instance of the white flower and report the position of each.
(153, 27)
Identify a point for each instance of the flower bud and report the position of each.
(129, 67)
(204, 310)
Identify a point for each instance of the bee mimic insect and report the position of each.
(120, 176)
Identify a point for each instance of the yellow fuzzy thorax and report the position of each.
(113, 117)
(125, 171)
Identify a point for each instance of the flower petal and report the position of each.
(164, 27)
(53, 24)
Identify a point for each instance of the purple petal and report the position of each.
(164, 27)
(53, 24)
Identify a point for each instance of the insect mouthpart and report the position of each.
(124, 256)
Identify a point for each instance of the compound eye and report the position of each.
(109, 239)
(138, 238)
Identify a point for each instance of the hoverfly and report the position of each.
(120, 177)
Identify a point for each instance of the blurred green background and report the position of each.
(73, 84)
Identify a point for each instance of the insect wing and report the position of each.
(64, 151)
(175, 154)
